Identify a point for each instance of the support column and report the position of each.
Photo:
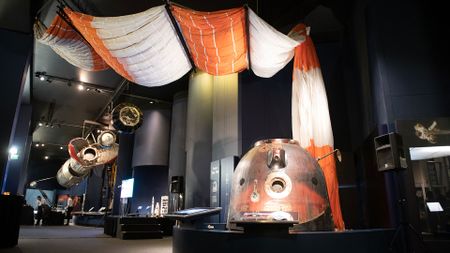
(225, 128)
(177, 157)
(124, 169)
(15, 51)
(15, 173)
(150, 159)
(198, 139)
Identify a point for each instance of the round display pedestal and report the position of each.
(189, 240)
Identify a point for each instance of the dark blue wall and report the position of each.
(15, 52)
(16, 169)
(94, 190)
(39, 169)
(407, 74)
(265, 106)
(408, 59)
(149, 181)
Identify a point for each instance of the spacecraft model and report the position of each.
(84, 157)
(278, 181)
(127, 117)
(429, 133)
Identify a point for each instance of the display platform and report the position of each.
(53, 218)
(138, 227)
(95, 219)
(189, 240)
(10, 209)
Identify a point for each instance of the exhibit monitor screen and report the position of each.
(194, 212)
(127, 188)
(435, 207)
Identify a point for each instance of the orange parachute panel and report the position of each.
(217, 40)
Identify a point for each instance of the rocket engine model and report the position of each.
(278, 181)
(84, 157)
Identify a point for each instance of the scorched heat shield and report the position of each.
(278, 181)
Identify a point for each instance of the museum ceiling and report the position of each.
(60, 108)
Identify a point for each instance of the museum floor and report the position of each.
(76, 239)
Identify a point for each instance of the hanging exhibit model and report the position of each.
(127, 118)
(279, 181)
(84, 157)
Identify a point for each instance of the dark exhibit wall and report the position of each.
(15, 53)
(39, 169)
(94, 190)
(265, 106)
(151, 142)
(407, 79)
(16, 169)
(405, 73)
(149, 181)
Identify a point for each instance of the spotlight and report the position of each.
(41, 75)
(88, 89)
(13, 151)
(151, 102)
(80, 87)
(99, 131)
(40, 124)
(61, 148)
(36, 145)
(46, 157)
(42, 145)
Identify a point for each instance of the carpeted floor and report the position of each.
(60, 232)
(75, 239)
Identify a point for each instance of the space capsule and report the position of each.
(278, 181)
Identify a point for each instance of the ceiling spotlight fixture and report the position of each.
(80, 87)
(88, 89)
(42, 145)
(46, 157)
(61, 148)
(41, 76)
(40, 124)
(151, 102)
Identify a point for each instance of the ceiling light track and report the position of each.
(84, 86)
(43, 76)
